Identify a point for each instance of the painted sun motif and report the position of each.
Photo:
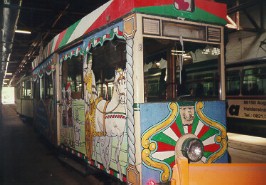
(160, 141)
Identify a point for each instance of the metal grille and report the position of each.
(151, 26)
(214, 34)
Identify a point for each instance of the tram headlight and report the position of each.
(192, 148)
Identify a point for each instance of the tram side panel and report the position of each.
(23, 98)
(44, 103)
(173, 123)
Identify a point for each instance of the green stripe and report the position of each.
(195, 124)
(68, 33)
(169, 160)
(164, 139)
(198, 15)
(209, 133)
(207, 154)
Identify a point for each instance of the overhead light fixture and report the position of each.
(23, 31)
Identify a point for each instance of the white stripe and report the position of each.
(185, 129)
(54, 43)
(203, 159)
(86, 22)
(163, 155)
(169, 132)
(199, 127)
(210, 140)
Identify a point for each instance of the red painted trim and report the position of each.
(212, 7)
(60, 38)
(164, 147)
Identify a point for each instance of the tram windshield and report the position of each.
(175, 70)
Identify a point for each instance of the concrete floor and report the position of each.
(26, 160)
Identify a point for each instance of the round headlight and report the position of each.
(192, 148)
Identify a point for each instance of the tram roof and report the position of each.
(204, 11)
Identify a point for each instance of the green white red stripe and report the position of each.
(205, 11)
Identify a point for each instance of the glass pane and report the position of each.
(72, 76)
(233, 82)
(105, 60)
(254, 81)
(175, 71)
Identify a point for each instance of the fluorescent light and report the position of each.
(9, 73)
(23, 31)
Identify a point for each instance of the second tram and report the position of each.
(246, 96)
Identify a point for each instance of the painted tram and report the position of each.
(118, 90)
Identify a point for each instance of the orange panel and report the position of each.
(218, 174)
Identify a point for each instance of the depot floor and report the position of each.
(26, 160)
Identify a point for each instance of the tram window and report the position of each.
(36, 92)
(105, 60)
(171, 73)
(254, 81)
(233, 82)
(72, 76)
(26, 89)
(42, 95)
(49, 86)
(199, 71)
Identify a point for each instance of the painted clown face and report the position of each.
(187, 115)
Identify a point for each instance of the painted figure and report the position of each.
(110, 122)
(90, 98)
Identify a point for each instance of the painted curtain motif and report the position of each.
(170, 122)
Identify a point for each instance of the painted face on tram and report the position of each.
(187, 114)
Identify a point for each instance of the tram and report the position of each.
(246, 94)
(118, 90)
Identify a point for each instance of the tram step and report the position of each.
(73, 164)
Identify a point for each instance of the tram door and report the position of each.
(71, 90)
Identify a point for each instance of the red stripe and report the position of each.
(218, 9)
(211, 148)
(176, 130)
(189, 128)
(164, 147)
(203, 130)
(172, 164)
(60, 38)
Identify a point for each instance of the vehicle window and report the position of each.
(72, 76)
(233, 82)
(105, 60)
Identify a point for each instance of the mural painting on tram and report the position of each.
(94, 118)
(105, 101)
(44, 100)
(72, 127)
(173, 123)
